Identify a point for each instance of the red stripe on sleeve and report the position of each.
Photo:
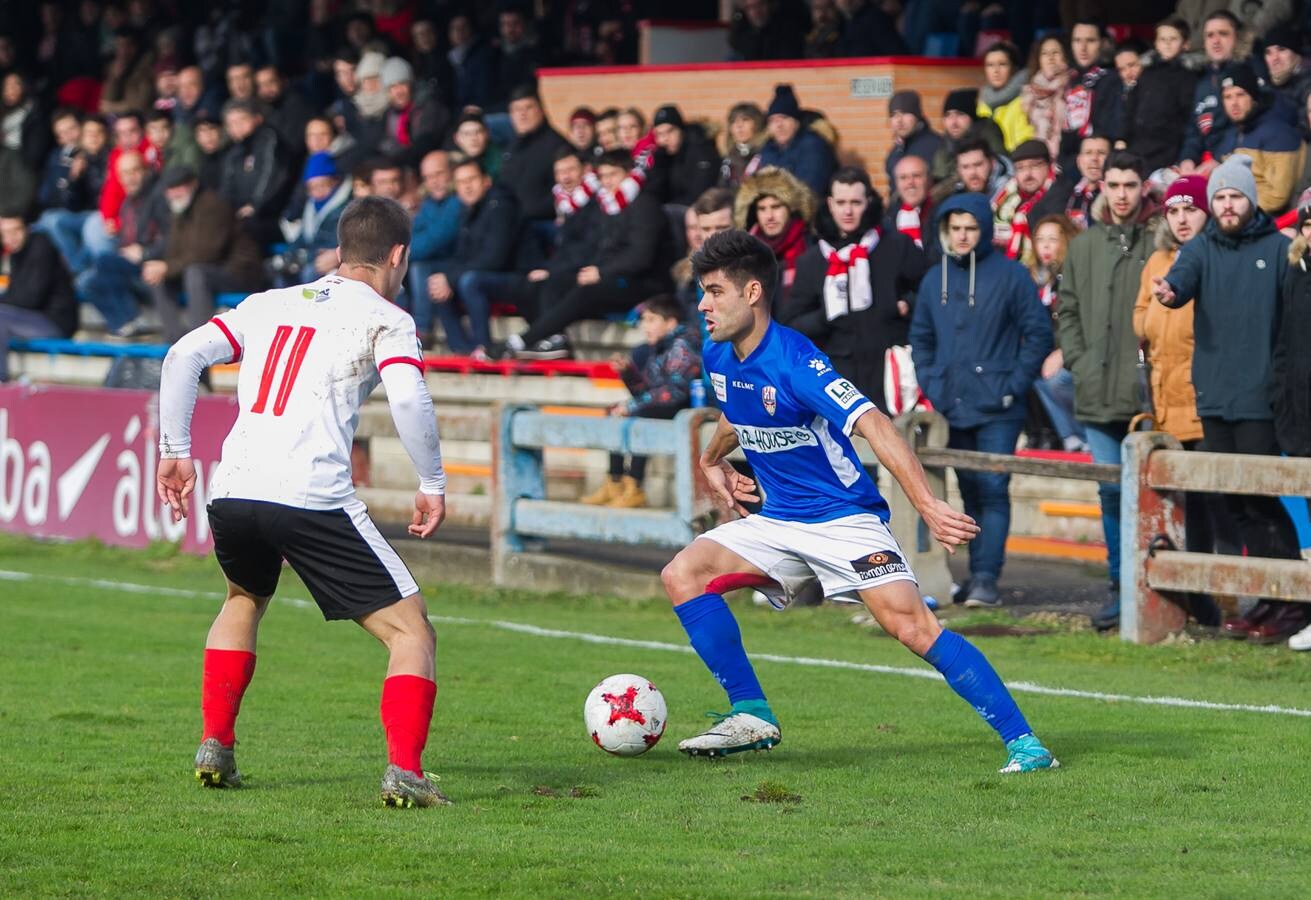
(417, 363)
(236, 348)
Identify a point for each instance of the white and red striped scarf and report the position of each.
(910, 224)
(847, 287)
(569, 202)
(1011, 196)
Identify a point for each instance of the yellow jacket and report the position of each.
(1169, 336)
(1011, 119)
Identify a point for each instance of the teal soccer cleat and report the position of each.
(1027, 754)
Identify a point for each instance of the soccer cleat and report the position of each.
(216, 765)
(404, 789)
(1301, 640)
(733, 733)
(1027, 754)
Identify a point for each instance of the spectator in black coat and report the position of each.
(59, 188)
(286, 113)
(70, 189)
(17, 183)
(633, 257)
(36, 296)
(1074, 194)
(854, 289)
(911, 209)
(26, 127)
(208, 132)
(1159, 107)
(912, 136)
(255, 173)
(488, 242)
(868, 31)
(1092, 99)
(1289, 75)
(519, 54)
(411, 130)
(769, 29)
(527, 164)
(474, 66)
(1291, 362)
(686, 162)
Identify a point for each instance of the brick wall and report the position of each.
(707, 91)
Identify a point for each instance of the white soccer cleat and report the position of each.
(1301, 640)
(734, 733)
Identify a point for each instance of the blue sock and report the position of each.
(714, 635)
(970, 674)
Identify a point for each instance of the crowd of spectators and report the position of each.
(1036, 227)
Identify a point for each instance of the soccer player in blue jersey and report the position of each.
(823, 516)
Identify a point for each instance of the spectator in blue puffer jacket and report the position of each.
(792, 146)
(979, 336)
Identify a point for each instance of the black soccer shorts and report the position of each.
(349, 567)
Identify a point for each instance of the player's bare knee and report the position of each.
(680, 578)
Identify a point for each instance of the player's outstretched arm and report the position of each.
(416, 425)
(949, 527)
(175, 477)
(730, 486)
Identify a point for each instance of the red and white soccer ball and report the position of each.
(625, 715)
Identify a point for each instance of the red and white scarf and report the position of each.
(612, 203)
(1011, 196)
(847, 287)
(910, 223)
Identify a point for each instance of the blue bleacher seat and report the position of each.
(68, 347)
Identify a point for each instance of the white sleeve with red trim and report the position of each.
(211, 343)
(399, 358)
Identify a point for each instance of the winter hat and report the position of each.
(1235, 172)
(583, 112)
(784, 103)
(906, 102)
(964, 100)
(177, 175)
(1286, 36)
(319, 165)
(1032, 149)
(1240, 75)
(669, 115)
(370, 65)
(396, 71)
(1187, 190)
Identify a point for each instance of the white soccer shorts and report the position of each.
(847, 555)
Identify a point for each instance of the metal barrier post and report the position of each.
(1147, 515)
(516, 472)
(926, 559)
(692, 498)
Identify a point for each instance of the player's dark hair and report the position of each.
(741, 257)
(1123, 159)
(369, 228)
(712, 200)
(665, 306)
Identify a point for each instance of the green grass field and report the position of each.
(885, 785)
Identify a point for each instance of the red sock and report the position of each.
(227, 674)
(406, 710)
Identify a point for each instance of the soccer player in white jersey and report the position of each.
(310, 355)
(822, 516)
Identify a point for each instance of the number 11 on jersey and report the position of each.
(299, 348)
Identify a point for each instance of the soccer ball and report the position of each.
(625, 715)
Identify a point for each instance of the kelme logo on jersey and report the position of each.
(843, 392)
(774, 440)
(879, 564)
(769, 397)
(819, 366)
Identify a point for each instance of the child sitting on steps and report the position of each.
(659, 376)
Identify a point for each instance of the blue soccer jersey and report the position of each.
(793, 413)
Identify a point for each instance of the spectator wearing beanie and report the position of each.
(999, 98)
(410, 129)
(1233, 362)
(912, 136)
(582, 132)
(1157, 112)
(1168, 335)
(1284, 60)
(854, 288)
(312, 237)
(686, 163)
(1012, 206)
(792, 146)
(776, 207)
(1264, 134)
(961, 125)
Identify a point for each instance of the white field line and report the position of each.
(1019, 687)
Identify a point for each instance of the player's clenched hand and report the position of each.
(429, 511)
(949, 527)
(174, 481)
(730, 487)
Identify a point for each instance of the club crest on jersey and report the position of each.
(720, 384)
(879, 564)
(769, 397)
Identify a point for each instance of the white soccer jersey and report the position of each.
(310, 356)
